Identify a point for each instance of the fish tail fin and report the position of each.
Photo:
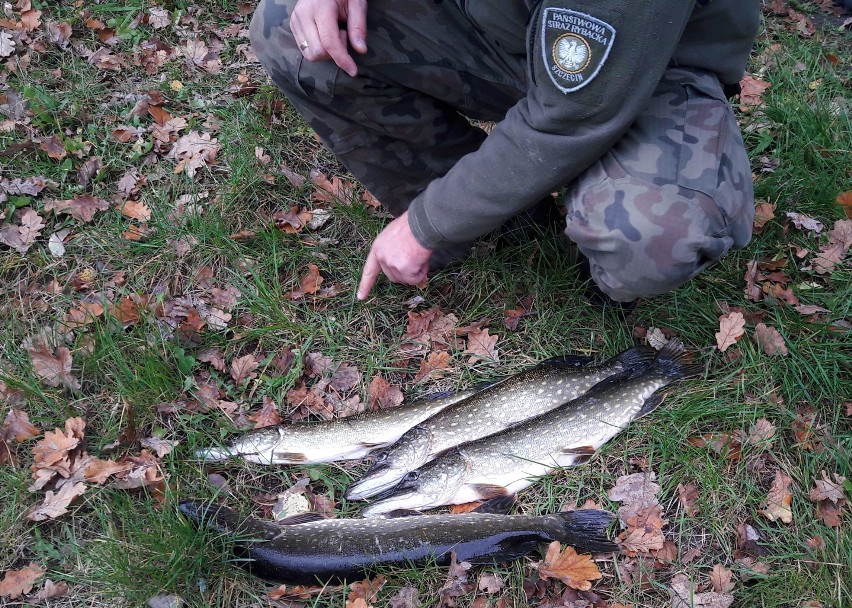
(636, 358)
(586, 529)
(215, 454)
(674, 362)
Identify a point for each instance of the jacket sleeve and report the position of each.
(616, 51)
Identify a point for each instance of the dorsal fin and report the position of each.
(569, 361)
(397, 513)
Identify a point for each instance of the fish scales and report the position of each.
(330, 440)
(500, 406)
(511, 460)
(336, 549)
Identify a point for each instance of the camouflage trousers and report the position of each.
(672, 196)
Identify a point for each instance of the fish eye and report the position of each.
(381, 457)
(412, 476)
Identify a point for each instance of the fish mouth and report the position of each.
(377, 481)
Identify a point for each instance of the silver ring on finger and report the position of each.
(303, 46)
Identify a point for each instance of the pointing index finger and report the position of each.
(371, 271)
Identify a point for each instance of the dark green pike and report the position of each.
(322, 550)
(498, 407)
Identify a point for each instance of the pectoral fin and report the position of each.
(301, 518)
(288, 457)
(487, 491)
(581, 450)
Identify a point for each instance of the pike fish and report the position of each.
(509, 461)
(329, 440)
(312, 549)
(530, 393)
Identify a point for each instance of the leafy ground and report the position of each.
(178, 261)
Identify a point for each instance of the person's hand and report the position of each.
(315, 26)
(398, 255)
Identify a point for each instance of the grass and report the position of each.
(120, 548)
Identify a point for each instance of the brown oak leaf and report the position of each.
(481, 346)
(194, 151)
(433, 365)
(722, 579)
(763, 212)
(687, 494)
(382, 394)
(309, 283)
(56, 503)
(826, 489)
(761, 433)
(832, 253)
(731, 329)
(135, 210)
(54, 147)
(576, 571)
(21, 238)
(242, 368)
(778, 500)
(53, 366)
(82, 207)
(19, 582)
(637, 491)
(684, 595)
(770, 340)
(17, 425)
(267, 415)
(751, 92)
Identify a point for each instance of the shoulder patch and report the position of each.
(574, 47)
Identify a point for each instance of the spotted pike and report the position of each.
(509, 461)
(322, 550)
(500, 406)
(329, 440)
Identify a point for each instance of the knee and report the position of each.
(644, 240)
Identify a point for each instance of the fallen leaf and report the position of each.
(490, 583)
(162, 447)
(770, 340)
(456, 583)
(826, 489)
(637, 491)
(242, 369)
(135, 210)
(345, 378)
(52, 589)
(56, 503)
(844, 199)
(811, 309)
(406, 597)
(19, 582)
(576, 571)
(656, 338)
(763, 213)
(816, 543)
(382, 394)
(481, 346)
(640, 540)
(752, 290)
(433, 365)
(688, 495)
(309, 283)
(761, 433)
(731, 329)
(7, 44)
(267, 415)
(684, 595)
(158, 18)
(52, 365)
(829, 513)
(778, 500)
(194, 151)
(832, 253)
(367, 589)
(17, 425)
(21, 238)
(722, 579)
(54, 147)
(82, 207)
(803, 222)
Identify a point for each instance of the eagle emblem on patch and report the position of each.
(575, 47)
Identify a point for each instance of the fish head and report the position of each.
(430, 486)
(391, 465)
